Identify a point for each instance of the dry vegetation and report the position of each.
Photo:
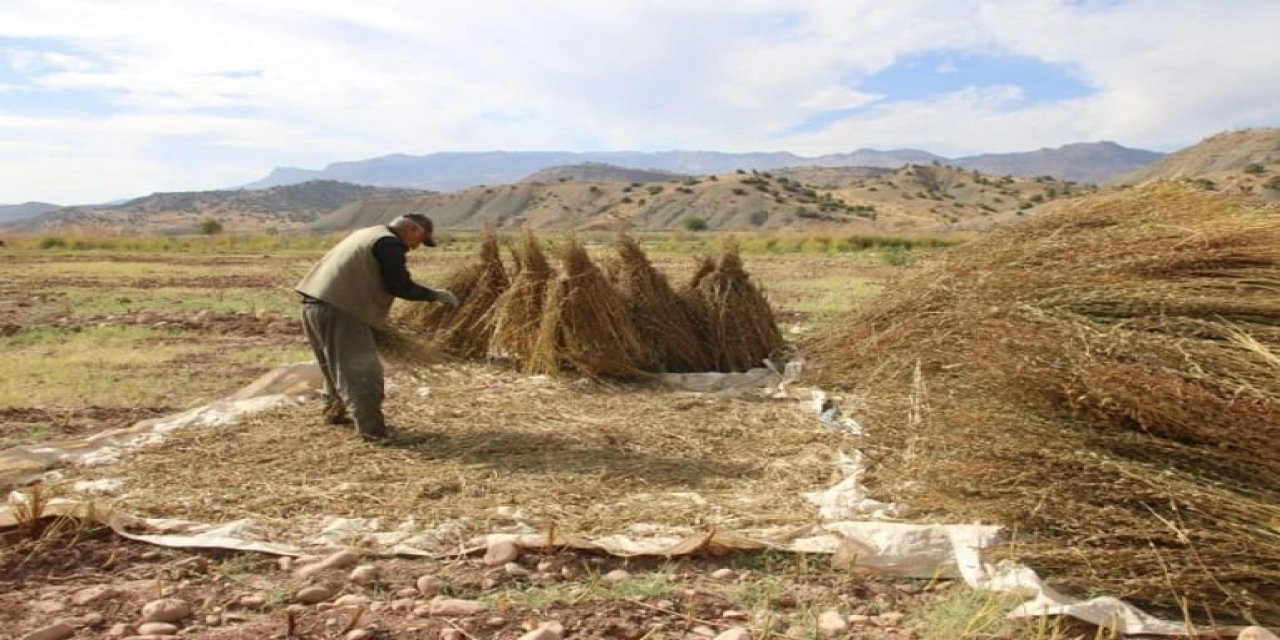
(1104, 380)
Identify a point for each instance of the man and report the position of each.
(345, 297)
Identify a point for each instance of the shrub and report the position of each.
(1273, 183)
(210, 227)
(695, 223)
(53, 242)
(1254, 167)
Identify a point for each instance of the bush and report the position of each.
(52, 242)
(210, 227)
(1273, 183)
(695, 224)
(1255, 168)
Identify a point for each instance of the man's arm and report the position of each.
(390, 254)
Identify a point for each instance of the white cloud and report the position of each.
(202, 95)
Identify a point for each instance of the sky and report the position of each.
(108, 99)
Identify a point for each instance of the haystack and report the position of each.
(1103, 379)
(518, 311)
(585, 326)
(660, 318)
(465, 331)
(735, 318)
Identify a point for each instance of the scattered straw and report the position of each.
(1103, 379)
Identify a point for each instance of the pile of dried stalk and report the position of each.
(1105, 380)
(623, 322)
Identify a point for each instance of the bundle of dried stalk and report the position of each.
(661, 320)
(734, 317)
(465, 331)
(585, 326)
(518, 311)
(1104, 379)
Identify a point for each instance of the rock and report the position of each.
(313, 595)
(91, 595)
(730, 614)
(92, 619)
(429, 586)
(1256, 633)
(546, 631)
(735, 633)
(351, 600)
(860, 619)
(488, 583)
(616, 576)
(501, 552)
(402, 605)
(165, 610)
(285, 563)
(193, 630)
(453, 607)
(703, 631)
(121, 630)
(890, 619)
(157, 629)
(423, 611)
(213, 620)
(251, 601)
(55, 631)
(341, 560)
(545, 566)
(359, 634)
(407, 592)
(723, 574)
(514, 570)
(495, 621)
(452, 634)
(364, 575)
(831, 624)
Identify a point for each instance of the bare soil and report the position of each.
(93, 580)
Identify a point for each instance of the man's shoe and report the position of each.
(340, 420)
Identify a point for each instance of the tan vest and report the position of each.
(348, 278)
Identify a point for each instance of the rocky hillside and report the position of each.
(601, 172)
(916, 197)
(1227, 152)
(279, 208)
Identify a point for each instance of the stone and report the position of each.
(734, 633)
(55, 631)
(860, 619)
(454, 607)
(193, 630)
(730, 614)
(616, 576)
(723, 574)
(831, 624)
(91, 595)
(364, 575)
(407, 592)
(157, 629)
(500, 552)
(1256, 633)
(515, 570)
(165, 610)
(703, 631)
(251, 601)
(546, 631)
(92, 619)
(359, 634)
(452, 634)
(351, 600)
(890, 619)
(344, 559)
(429, 586)
(120, 630)
(313, 595)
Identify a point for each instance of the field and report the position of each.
(98, 334)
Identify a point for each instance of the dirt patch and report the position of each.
(93, 580)
(268, 325)
(24, 423)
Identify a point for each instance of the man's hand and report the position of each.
(446, 296)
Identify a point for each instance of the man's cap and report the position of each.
(426, 224)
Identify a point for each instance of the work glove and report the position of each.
(446, 296)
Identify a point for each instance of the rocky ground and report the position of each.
(82, 582)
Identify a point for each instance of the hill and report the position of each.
(601, 172)
(278, 208)
(915, 198)
(1094, 162)
(12, 212)
(460, 170)
(1223, 153)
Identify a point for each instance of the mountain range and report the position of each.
(449, 171)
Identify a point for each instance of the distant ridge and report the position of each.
(1226, 151)
(15, 212)
(451, 171)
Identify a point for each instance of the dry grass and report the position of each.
(585, 326)
(486, 449)
(1104, 380)
(737, 322)
(518, 311)
(661, 320)
(465, 331)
